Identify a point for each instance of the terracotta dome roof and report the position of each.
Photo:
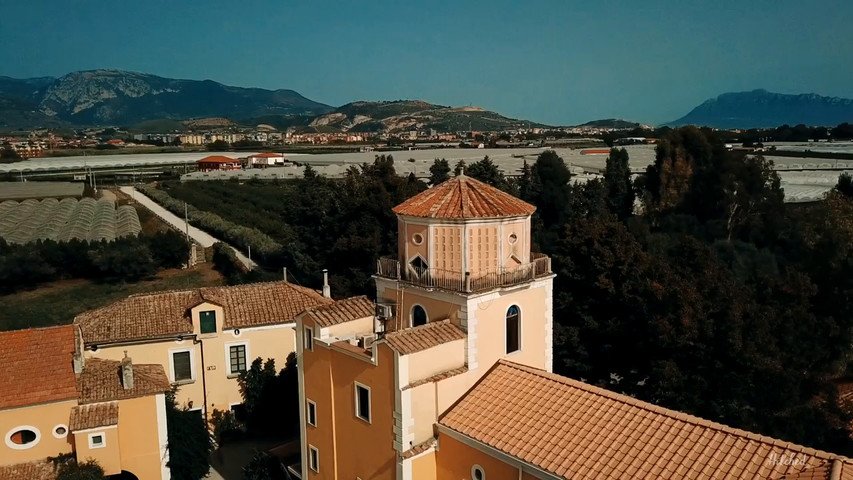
(464, 197)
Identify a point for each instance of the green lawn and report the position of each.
(59, 302)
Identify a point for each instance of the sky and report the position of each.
(555, 62)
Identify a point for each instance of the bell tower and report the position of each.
(464, 254)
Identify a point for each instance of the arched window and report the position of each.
(419, 316)
(513, 329)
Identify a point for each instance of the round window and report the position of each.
(513, 238)
(22, 437)
(417, 239)
(60, 431)
(477, 473)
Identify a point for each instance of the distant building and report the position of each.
(263, 160)
(218, 162)
(56, 401)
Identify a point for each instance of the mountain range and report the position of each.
(120, 98)
(760, 108)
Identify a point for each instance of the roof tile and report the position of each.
(165, 314)
(93, 415)
(341, 311)
(596, 433)
(38, 470)
(37, 366)
(464, 197)
(101, 381)
(419, 338)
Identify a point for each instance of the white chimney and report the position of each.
(327, 292)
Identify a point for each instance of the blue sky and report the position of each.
(558, 62)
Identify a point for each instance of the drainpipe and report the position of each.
(200, 343)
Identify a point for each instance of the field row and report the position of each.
(66, 219)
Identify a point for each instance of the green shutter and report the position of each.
(208, 321)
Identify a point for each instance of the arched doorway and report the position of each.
(124, 475)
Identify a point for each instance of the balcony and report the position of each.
(539, 266)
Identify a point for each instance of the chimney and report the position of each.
(126, 372)
(77, 360)
(327, 292)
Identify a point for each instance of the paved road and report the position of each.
(203, 238)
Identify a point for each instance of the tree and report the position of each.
(439, 171)
(264, 466)
(218, 146)
(189, 441)
(271, 401)
(123, 259)
(486, 171)
(169, 249)
(551, 194)
(845, 185)
(67, 468)
(617, 178)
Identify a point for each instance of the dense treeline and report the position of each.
(751, 137)
(719, 299)
(343, 225)
(124, 259)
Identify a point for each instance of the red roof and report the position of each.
(217, 159)
(37, 366)
(267, 155)
(464, 197)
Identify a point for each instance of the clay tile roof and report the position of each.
(341, 311)
(267, 155)
(464, 197)
(831, 470)
(166, 314)
(420, 448)
(217, 159)
(419, 338)
(38, 470)
(93, 415)
(36, 366)
(574, 430)
(101, 381)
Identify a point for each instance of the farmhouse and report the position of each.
(55, 401)
(218, 162)
(263, 160)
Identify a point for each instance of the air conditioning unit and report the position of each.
(366, 341)
(384, 311)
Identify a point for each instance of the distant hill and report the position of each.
(404, 115)
(760, 108)
(611, 123)
(115, 97)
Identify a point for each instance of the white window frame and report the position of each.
(92, 436)
(369, 418)
(309, 404)
(476, 467)
(412, 314)
(26, 446)
(314, 466)
(308, 338)
(228, 357)
(172, 353)
(55, 435)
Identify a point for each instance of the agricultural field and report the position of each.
(66, 219)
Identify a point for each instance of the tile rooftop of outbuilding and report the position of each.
(342, 311)
(37, 470)
(93, 415)
(101, 381)
(574, 430)
(37, 366)
(416, 339)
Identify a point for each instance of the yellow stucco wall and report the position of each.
(491, 327)
(221, 385)
(407, 298)
(440, 358)
(423, 467)
(318, 388)
(423, 411)
(365, 449)
(108, 456)
(138, 436)
(44, 418)
(455, 460)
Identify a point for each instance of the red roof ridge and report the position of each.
(464, 197)
(650, 407)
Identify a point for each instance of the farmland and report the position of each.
(66, 219)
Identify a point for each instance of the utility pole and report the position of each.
(187, 222)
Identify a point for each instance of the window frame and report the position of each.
(172, 372)
(507, 351)
(356, 386)
(22, 446)
(313, 458)
(201, 322)
(310, 406)
(475, 468)
(92, 436)
(308, 338)
(228, 347)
